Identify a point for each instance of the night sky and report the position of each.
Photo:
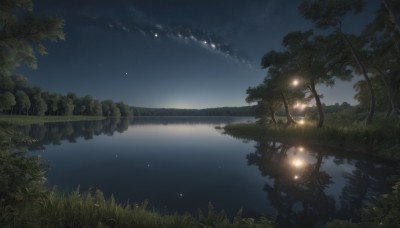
(171, 53)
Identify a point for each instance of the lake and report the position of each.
(183, 163)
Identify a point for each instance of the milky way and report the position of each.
(137, 22)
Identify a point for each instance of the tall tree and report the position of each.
(23, 102)
(393, 9)
(329, 14)
(7, 101)
(381, 43)
(279, 78)
(312, 62)
(66, 106)
(22, 34)
(268, 100)
(6, 83)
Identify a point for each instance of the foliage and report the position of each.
(21, 177)
(7, 101)
(22, 34)
(26, 120)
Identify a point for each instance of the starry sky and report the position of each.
(171, 53)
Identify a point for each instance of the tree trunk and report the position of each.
(289, 117)
(364, 73)
(272, 113)
(388, 93)
(395, 19)
(318, 103)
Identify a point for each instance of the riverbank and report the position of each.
(380, 139)
(26, 120)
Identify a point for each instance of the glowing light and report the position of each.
(298, 163)
(155, 35)
(213, 45)
(180, 194)
(295, 82)
(301, 149)
(204, 42)
(296, 177)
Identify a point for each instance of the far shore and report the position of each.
(26, 120)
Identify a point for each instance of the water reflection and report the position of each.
(304, 187)
(55, 133)
(182, 163)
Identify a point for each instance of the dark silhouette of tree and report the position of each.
(329, 14)
(268, 100)
(23, 102)
(381, 52)
(311, 59)
(292, 186)
(279, 79)
(7, 101)
(22, 34)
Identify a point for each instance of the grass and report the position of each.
(26, 120)
(342, 131)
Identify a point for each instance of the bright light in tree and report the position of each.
(295, 82)
(301, 122)
(296, 177)
(155, 35)
(298, 163)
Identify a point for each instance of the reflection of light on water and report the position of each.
(296, 177)
(298, 163)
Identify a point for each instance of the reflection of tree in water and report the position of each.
(363, 184)
(55, 133)
(298, 189)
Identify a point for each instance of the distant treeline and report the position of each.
(223, 111)
(236, 111)
(18, 98)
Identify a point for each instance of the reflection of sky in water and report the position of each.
(184, 165)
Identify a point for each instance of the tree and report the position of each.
(7, 101)
(267, 98)
(6, 83)
(66, 106)
(381, 52)
(393, 8)
(22, 33)
(39, 105)
(279, 79)
(88, 102)
(20, 82)
(23, 102)
(97, 108)
(124, 109)
(362, 95)
(52, 101)
(311, 61)
(329, 14)
(110, 109)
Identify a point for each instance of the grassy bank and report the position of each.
(25, 120)
(381, 138)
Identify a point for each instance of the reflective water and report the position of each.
(182, 163)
